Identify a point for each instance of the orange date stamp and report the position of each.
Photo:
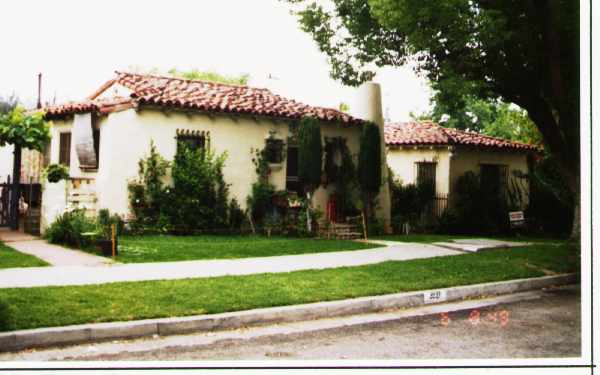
(476, 317)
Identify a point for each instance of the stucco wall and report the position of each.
(125, 138)
(6, 162)
(402, 163)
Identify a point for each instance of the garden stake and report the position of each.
(113, 231)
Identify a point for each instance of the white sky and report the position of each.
(77, 45)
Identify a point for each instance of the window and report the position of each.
(274, 149)
(292, 182)
(426, 174)
(195, 140)
(64, 155)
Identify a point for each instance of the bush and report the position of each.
(236, 215)
(197, 201)
(148, 196)
(68, 228)
(410, 205)
(105, 221)
(477, 210)
(260, 202)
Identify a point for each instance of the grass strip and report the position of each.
(176, 248)
(11, 258)
(22, 308)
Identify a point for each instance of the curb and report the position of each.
(77, 334)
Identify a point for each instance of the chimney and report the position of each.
(368, 107)
(39, 101)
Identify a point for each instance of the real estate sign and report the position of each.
(517, 219)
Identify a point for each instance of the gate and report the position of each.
(5, 198)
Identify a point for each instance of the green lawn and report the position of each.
(174, 248)
(56, 306)
(10, 258)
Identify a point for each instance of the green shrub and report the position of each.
(105, 221)
(260, 202)
(68, 228)
(149, 198)
(410, 204)
(369, 166)
(236, 215)
(477, 210)
(199, 194)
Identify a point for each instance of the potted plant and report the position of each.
(56, 172)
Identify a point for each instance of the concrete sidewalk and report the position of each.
(83, 275)
(52, 254)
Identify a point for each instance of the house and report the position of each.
(102, 139)
(425, 152)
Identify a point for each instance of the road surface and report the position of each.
(549, 326)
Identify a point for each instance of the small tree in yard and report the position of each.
(369, 166)
(310, 159)
(22, 130)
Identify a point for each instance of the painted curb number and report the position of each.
(435, 296)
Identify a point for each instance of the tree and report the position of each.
(210, 76)
(489, 117)
(310, 158)
(22, 130)
(369, 165)
(523, 52)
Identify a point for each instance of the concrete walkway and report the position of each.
(51, 254)
(83, 275)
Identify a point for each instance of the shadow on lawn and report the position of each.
(6, 322)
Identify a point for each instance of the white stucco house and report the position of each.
(427, 152)
(102, 138)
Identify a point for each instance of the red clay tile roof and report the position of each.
(98, 105)
(205, 97)
(429, 133)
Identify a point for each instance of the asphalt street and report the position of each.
(549, 326)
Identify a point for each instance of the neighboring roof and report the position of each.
(202, 96)
(428, 133)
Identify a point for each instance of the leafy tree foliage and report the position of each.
(490, 117)
(210, 76)
(523, 52)
(26, 130)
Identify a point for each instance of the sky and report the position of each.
(77, 45)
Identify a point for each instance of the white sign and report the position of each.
(516, 216)
(435, 296)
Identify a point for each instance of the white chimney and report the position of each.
(369, 108)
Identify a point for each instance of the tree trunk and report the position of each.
(575, 187)
(308, 221)
(16, 182)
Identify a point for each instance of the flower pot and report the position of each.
(105, 247)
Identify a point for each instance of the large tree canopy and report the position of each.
(521, 51)
(490, 117)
